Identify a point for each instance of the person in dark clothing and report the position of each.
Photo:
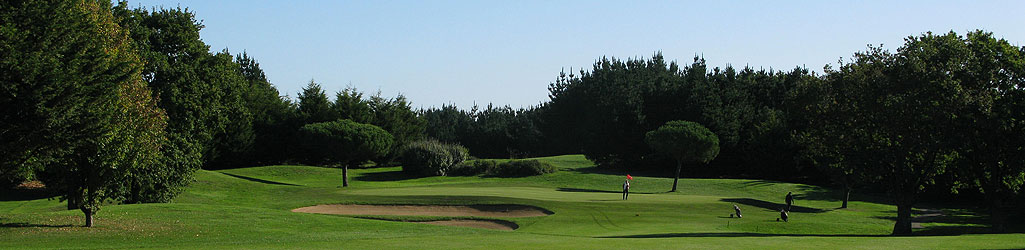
(626, 189)
(789, 200)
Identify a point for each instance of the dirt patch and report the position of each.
(31, 185)
(486, 224)
(428, 210)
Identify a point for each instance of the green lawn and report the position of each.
(249, 208)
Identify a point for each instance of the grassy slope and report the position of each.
(249, 208)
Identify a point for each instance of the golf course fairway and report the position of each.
(252, 208)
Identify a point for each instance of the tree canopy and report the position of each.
(899, 113)
(72, 73)
(345, 143)
(684, 141)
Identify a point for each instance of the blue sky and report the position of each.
(507, 52)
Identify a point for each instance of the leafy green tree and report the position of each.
(602, 111)
(446, 124)
(494, 132)
(823, 148)
(491, 132)
(684, 141)
(345, 143)
(396, 116)
(990, 127)
(80, 78)
(274, 121)
(349, 104)
(313, 105)
(230, 145)
(202, 93)
(899, 114)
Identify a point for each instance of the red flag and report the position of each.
(628, 177)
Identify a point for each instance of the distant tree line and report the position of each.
(491, 132)
(942, 115)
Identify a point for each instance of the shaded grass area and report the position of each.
(249, 208)
(772, 205)
(258, 180)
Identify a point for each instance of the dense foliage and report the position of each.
(203, 93)
(604, 113)
(473, 168)
(685, 142)
(492, 168)
(521, 168)
(75, 107)
(494, 132)
(344, 143)
(900, 120)
(431, 157)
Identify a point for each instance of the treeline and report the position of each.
(106, 103)
(605, 112)
(492, 132)
(941, 116)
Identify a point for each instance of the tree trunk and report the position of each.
(72, 205)
(676, 177)
(903, 225)
(345, 175)
(88, 216)
(846, 196)
(996, 216)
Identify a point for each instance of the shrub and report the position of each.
(431, 157)
(520, 168)
(472, 168)
(458, 152)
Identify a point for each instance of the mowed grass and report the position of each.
(250, 208)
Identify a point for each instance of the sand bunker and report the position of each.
(486, 224)
(427, 210)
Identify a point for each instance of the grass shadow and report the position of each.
(24, 225)
(584, 190)
(836, 195)
(259, 180)
(657, 173)
(732, 234)
(506, 223)
(761, 183)
(953, 222)
(19, 194)
(397, 175)
(771, 205)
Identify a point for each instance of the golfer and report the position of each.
(626, 189)
(789, 199)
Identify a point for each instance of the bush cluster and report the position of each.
(431, 157)
(480, 167)
(521, 168)
(515, 168)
